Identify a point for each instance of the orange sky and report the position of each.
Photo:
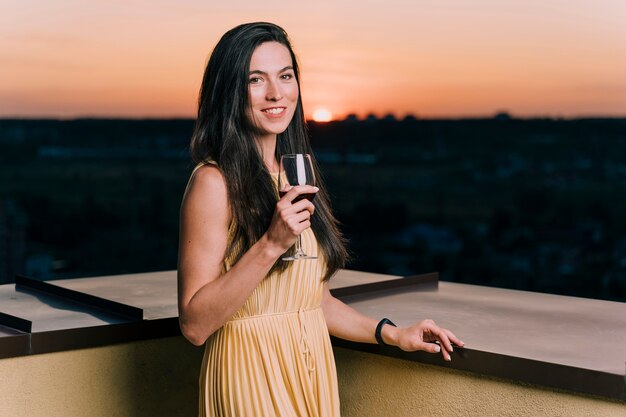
(435, 58)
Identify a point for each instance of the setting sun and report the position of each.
(322, 115)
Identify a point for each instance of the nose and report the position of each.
(273, 92)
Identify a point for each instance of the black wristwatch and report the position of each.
(377, 334)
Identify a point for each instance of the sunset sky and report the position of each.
(432, 58)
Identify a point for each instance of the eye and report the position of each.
(255, 80)
(287, 76)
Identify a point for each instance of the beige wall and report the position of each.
(375, 386)
(157, 378)
(149, 378)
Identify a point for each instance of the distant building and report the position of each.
(12, 240)
(502, 115)
(351, 118)
(438, 239)
(13, 134)
(39, 265)
(371, 118)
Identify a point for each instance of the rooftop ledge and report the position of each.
(568, 343)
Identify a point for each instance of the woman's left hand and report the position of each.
(423, 335)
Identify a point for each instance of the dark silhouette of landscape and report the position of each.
(531, 204)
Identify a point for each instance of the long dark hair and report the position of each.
(224, 133)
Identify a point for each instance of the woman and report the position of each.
(265, 322)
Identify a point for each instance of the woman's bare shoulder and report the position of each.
(207, 189)
(209, 176)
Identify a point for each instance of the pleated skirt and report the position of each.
(270, 365)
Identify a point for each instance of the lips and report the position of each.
(274, 111)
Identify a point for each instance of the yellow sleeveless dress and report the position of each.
(273, 358)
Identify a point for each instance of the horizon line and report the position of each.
(350, 117)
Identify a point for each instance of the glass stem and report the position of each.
(298, 248)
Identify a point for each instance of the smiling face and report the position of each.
(272, 89)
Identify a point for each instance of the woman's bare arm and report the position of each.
(206, 297)
(346, 323)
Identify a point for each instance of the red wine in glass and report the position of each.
(296, 169)
(308, 196)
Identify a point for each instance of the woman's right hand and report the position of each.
(290, 219)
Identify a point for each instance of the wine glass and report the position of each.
(296, 169)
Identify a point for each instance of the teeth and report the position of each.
(274, 110)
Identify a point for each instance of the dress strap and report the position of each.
(203, 163)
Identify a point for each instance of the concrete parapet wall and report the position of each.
(375, 385)
(153, 378)
(159, 377)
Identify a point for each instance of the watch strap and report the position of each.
(379, 328)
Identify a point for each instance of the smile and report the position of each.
(274, 110)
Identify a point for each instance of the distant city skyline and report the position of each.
(449, 58)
